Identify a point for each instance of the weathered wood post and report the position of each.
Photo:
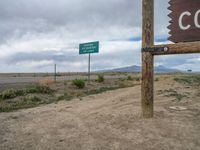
(186, 39)
(147, 58)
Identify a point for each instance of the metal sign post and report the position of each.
(89, 48)
(89, 67)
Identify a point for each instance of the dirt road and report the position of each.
(108, 121)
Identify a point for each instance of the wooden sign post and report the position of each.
(185, 32)
(147, 58)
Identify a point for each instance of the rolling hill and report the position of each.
(158, 69)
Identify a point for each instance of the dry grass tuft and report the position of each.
(46, 82)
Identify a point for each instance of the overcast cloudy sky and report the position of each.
(35, 34)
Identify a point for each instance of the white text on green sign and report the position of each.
(87, 48)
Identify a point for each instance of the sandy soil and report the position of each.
(108, 121)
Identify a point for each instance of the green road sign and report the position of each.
(87, 48)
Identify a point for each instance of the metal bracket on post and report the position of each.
(155, 49)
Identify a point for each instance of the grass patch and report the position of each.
(100, 90)
(65, 96)
(32, 98)
(137, 78)
(13, 93)
(130, 78)
(39, 89)
(189, 80)
(13, 99)
(198, 93)
(173, 93)
(28, 101)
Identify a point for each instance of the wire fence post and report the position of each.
(55, 73)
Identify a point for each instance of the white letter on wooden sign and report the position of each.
(182, 27)
(196, 19)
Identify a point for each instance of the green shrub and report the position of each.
(79, 83)
(58, 74)
(157, 79)
(100, 78)
(129, 78)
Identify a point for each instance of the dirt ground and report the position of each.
(108, 121)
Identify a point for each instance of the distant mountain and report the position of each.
(158, 69)
(162, 69)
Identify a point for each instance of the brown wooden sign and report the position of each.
(185, 20)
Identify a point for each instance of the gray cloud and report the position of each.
(62, 58)
(66, 12)
(47, 15)
(92, 16)
(43, 32)
(36, 16)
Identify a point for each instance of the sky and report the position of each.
(36, 34)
